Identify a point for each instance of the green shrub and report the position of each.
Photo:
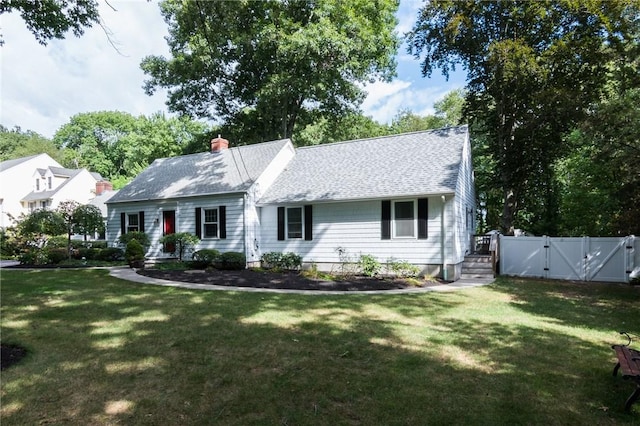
(402, 268)
(281, 261)
(141, 237)
(232, 260)
(369, 265)
(59, 241)
(110, 254)
(271, 260)
(134, 252)
(205, 258)
(9, 243)
(181, 242)
(291, 261)
(33, 256)
(56, 255)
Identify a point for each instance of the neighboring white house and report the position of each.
(16, 181)
(407, 197)
(39, 181)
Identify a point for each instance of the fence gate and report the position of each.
(573, 258)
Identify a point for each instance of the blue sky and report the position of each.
(42, 87)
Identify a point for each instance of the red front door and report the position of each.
(169, 227)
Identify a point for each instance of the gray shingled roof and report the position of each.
(231, 170)
(7, 164)
(410, 164)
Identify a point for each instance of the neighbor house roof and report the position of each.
(392, 166)
(100, 200)
(57, 171)
(5, 165)
(208, 173)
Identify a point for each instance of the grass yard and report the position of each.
(105, 351)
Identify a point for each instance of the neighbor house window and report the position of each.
(403, 219)
(43, 204)
(49, 182)
(32, 206)
(37, 184)
(210, 223)
(133, 222)
(294, 222)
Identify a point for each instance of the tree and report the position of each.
(272, 64)
(17, 143)
(87, 219)
(534, 68)
(38, 226)
(180, 242)
(48, 19)
(600, 184)
(119, 146)
(66, 210)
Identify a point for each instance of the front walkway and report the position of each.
(129, 274)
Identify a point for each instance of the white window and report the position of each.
(294, 222)
(37, 184)
(404, 219)
(133, 222)
(210, 223)
(44, 204)
(49, 182)
(32, 206)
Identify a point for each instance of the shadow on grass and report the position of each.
(104, 351)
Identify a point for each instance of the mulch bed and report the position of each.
(10, 354)
(277, 280)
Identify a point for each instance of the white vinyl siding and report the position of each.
(355, 227)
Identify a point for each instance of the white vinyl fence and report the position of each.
(570, 258)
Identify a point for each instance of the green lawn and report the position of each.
(105, 351)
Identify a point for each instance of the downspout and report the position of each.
(442, 239)
(244, 228)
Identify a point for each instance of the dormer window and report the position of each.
(37, 184)
(49, 182)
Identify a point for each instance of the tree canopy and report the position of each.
(265, 66)
(49, 19)
(534, 71)
(119, 146)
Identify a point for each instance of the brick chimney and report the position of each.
(218, 144)
(103, 186)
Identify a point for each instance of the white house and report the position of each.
(16, 181)
(39, 181)
(407, 197)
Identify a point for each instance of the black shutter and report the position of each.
(280, 223)
(123, 223)
(308, 223)
(198, 222)
(386, 220)
(423, 216)
(141, 216)
(223, 221)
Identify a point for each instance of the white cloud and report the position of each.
(43, 86)
(385, 100)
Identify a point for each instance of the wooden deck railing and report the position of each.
(487, 245)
